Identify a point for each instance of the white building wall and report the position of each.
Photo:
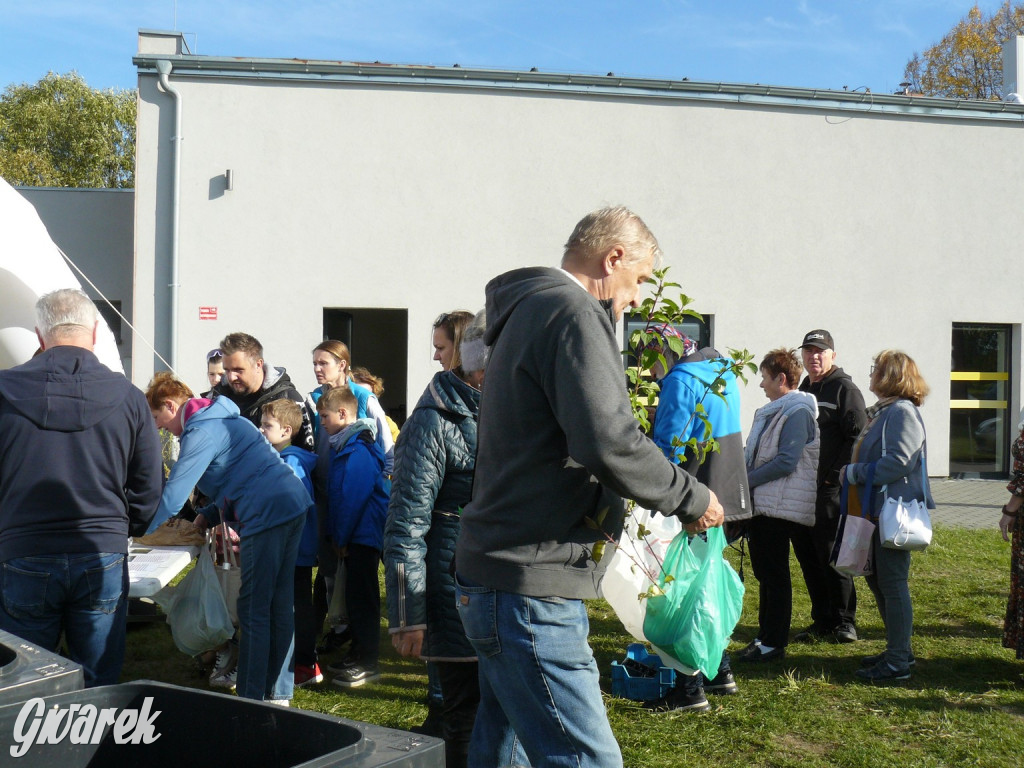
(883, 228)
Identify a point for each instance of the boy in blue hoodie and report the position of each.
(357, 505)
(280, 420)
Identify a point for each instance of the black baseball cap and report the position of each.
(819, 338)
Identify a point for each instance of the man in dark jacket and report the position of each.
(841, 417)
(80, 471)
(249, 383)
(558, 449)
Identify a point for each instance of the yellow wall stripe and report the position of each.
(978, 376)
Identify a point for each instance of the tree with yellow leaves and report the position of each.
(967, 63)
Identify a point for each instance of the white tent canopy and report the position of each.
(30, 266)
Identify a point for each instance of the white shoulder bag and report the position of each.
(905, 524)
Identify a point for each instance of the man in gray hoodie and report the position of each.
(558, 450)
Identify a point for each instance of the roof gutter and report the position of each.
(163, 68)
(384, 75)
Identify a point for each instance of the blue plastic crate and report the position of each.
(635, 687)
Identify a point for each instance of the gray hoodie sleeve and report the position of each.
(586, 387)
(794, 435)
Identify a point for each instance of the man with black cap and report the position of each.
(841, 417)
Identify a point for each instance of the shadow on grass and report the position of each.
(962, 674)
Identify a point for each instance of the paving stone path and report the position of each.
(969, 503)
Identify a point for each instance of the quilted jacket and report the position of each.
(433, 479)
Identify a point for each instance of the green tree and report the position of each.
(62, 133)
(967, 62)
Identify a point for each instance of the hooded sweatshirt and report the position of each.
(80, 463)
(231, 462)
(558, 446)
(358, 487)
(302, 463)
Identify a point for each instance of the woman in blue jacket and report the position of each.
(227, 458)
(894, 441)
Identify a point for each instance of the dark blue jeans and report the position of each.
(85, 594)
(266, 612)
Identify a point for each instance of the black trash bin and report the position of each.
(27, 670)
(194, 729)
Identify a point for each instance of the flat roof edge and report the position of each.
(608, 85)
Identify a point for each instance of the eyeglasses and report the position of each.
(872, 371)
(443, 319)
(214, 354)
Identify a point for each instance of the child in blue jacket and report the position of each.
(228, 459)
(357, 504)
(279, 420)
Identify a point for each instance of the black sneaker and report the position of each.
(871, 661)
(356, 675)
(680, 700)
(723, 684)
(882, 672)
(753, 653)
(846, 633)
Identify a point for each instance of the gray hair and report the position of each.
(600, 231)
(473, 350)
(65, 312)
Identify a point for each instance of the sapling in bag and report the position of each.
(198, 617)
(700, 601)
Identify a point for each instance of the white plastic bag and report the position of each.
(198, 616)
(635, 566)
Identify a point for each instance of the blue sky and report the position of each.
(809, 43)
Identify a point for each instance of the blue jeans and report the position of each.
(539, 685)
(84, 594)
(891, 587)
(266, 612)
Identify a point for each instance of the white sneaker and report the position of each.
(278, 702)
(227, 659)
(226, 680)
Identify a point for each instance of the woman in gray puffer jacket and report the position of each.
(434, 462)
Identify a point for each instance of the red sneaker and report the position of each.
(308, 675)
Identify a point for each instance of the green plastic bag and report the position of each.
(698, 608)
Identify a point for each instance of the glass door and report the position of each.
(979, 416)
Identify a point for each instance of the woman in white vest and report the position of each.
(782, 466)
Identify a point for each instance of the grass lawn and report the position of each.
(964, 705)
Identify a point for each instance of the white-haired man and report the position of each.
(80, 471)
(558, 450)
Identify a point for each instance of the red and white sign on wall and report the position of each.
(207, 313)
